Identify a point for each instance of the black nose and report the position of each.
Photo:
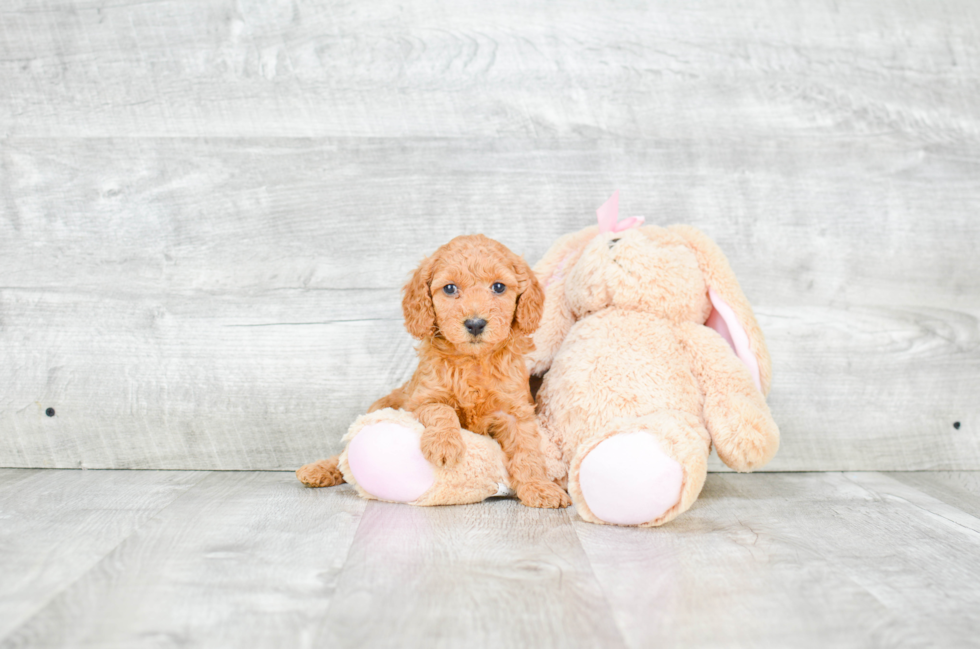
(475, 325)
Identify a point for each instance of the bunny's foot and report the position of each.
(643, 472)
(384, 461)
(629, 479)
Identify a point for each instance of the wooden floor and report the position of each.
(252, 559)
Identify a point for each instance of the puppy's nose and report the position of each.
(475, 325)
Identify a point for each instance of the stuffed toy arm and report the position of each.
(732, 363)
(556, 318)
(735, 412)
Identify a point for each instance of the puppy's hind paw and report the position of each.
(546, 495)
(443, 450)
(320, 474)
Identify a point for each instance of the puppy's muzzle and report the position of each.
(475, 326)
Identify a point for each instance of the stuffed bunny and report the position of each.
(651, 354)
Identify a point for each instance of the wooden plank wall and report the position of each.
(207, 209)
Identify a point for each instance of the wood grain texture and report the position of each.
(207, 208)
(805, 220)
(234, 304)
(243, 559)
(960, 489)
(56, 525)
(9, 477)
(497, 574)
(717, 70)
(207, 382)
(254, 559)
(802, 560)
(875, 388)
(273, 381)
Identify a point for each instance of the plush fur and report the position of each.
(466, 379)
(625, 349)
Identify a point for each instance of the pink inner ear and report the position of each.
(608, 213)
(722, 319)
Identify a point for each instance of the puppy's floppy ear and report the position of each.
(420, 315)
(731, 315)
(557, 318)
(530, 303)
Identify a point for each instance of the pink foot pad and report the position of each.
(387, 462)
(628, 479)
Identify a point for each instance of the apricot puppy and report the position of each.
(473, 305)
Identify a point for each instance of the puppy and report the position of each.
(473, 305)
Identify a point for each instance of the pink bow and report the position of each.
(609, 213)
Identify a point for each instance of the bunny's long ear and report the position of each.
(557, 318)
(731, 315)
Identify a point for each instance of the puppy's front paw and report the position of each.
(320, 474)
(543, 494)
(443, 449)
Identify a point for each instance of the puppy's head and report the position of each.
(474, 293)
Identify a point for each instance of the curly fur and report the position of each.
(477, 382)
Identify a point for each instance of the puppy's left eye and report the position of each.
(498, 288)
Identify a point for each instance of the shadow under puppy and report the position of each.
(473, 305)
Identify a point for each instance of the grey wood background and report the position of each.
(207, 209)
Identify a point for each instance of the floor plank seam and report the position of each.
(343, 566)
(937, 503)
(570, 517)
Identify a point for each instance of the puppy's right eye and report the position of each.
(449, 289)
